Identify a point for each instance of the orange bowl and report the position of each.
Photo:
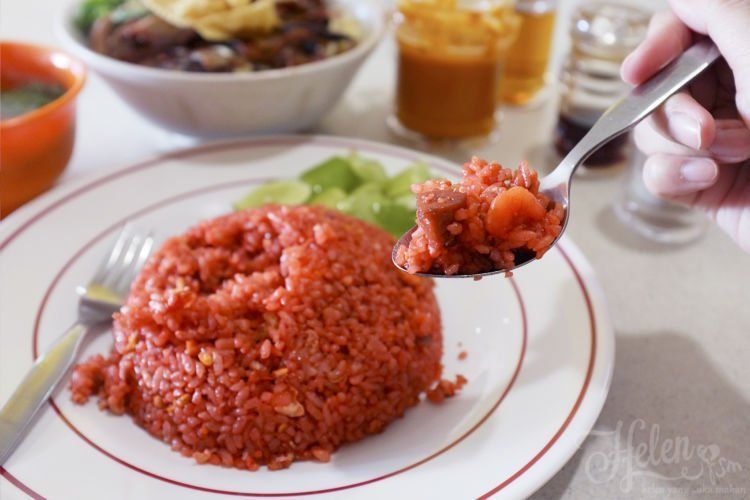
(35, 147)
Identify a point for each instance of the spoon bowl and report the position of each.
(618, 119)
(521, 260)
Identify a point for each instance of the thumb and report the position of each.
(727, 22)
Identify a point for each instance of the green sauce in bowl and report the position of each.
(26, 98)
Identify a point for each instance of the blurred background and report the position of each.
(677, 287)
(361, 113)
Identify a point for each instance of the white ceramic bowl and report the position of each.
(230, 104)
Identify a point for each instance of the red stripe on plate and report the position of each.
(589, 371)
(154, 475)
(18, 484)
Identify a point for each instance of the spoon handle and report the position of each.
(639, 103)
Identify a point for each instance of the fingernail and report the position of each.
(698, 171)
(685, 129)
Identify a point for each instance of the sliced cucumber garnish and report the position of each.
(367, 170)
(281, 192)
(333, 173)
(407, 200)
(401, 184)
(354, 185)
(395, 218)
(330, 197)
(364, 202)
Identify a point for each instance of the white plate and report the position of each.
(540, 350)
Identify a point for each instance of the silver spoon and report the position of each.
(621, 117)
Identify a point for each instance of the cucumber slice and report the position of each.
(367, 170)
(282, 192)
(407, 200)
(364, 202)
(330, 197)
(395, 218)
(335, 172)
(401, 184)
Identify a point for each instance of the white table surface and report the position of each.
(682, 315)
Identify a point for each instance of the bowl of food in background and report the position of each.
(212, 69)
(38, 90)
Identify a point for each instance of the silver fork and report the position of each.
(98, 301)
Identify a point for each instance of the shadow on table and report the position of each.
(664, 389)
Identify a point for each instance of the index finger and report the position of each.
(666, 39)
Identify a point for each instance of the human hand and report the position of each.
(698, 142)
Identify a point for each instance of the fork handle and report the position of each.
(36, 387)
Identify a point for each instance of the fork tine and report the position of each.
(148, 245)
(123, 284)
(123, 263)
(114, 254)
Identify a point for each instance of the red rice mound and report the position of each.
(270, 335)
(481, 223)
